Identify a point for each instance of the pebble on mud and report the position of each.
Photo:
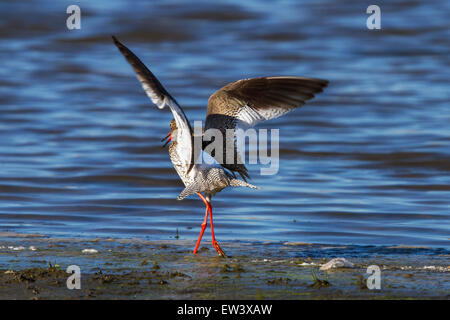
(19, 248)
(337, 263)
(89, 251)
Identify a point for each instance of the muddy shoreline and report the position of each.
(34, 267)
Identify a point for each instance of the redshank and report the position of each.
(240, 104)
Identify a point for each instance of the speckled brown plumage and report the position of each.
(244, 103)
(204, 179)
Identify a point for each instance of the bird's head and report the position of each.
(173, 125)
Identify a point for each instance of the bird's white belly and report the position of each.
(181, 168)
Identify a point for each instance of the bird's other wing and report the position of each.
(159, 96)
(244, 103)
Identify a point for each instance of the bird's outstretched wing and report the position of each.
(159, 96)
(244, 103)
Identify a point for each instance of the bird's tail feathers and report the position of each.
(190, 189)
(239, 183)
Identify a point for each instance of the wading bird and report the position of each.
(238, 105)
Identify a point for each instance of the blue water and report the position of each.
(365, 163)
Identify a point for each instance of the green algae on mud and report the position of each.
(142, 269)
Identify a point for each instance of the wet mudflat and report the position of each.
(34, 267)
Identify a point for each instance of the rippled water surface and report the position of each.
(366, 163)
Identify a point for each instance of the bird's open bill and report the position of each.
(168, 137)
(205, 222)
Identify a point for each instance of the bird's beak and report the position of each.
(168, 137)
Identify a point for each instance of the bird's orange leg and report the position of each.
(205, 221)
(214, 242)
